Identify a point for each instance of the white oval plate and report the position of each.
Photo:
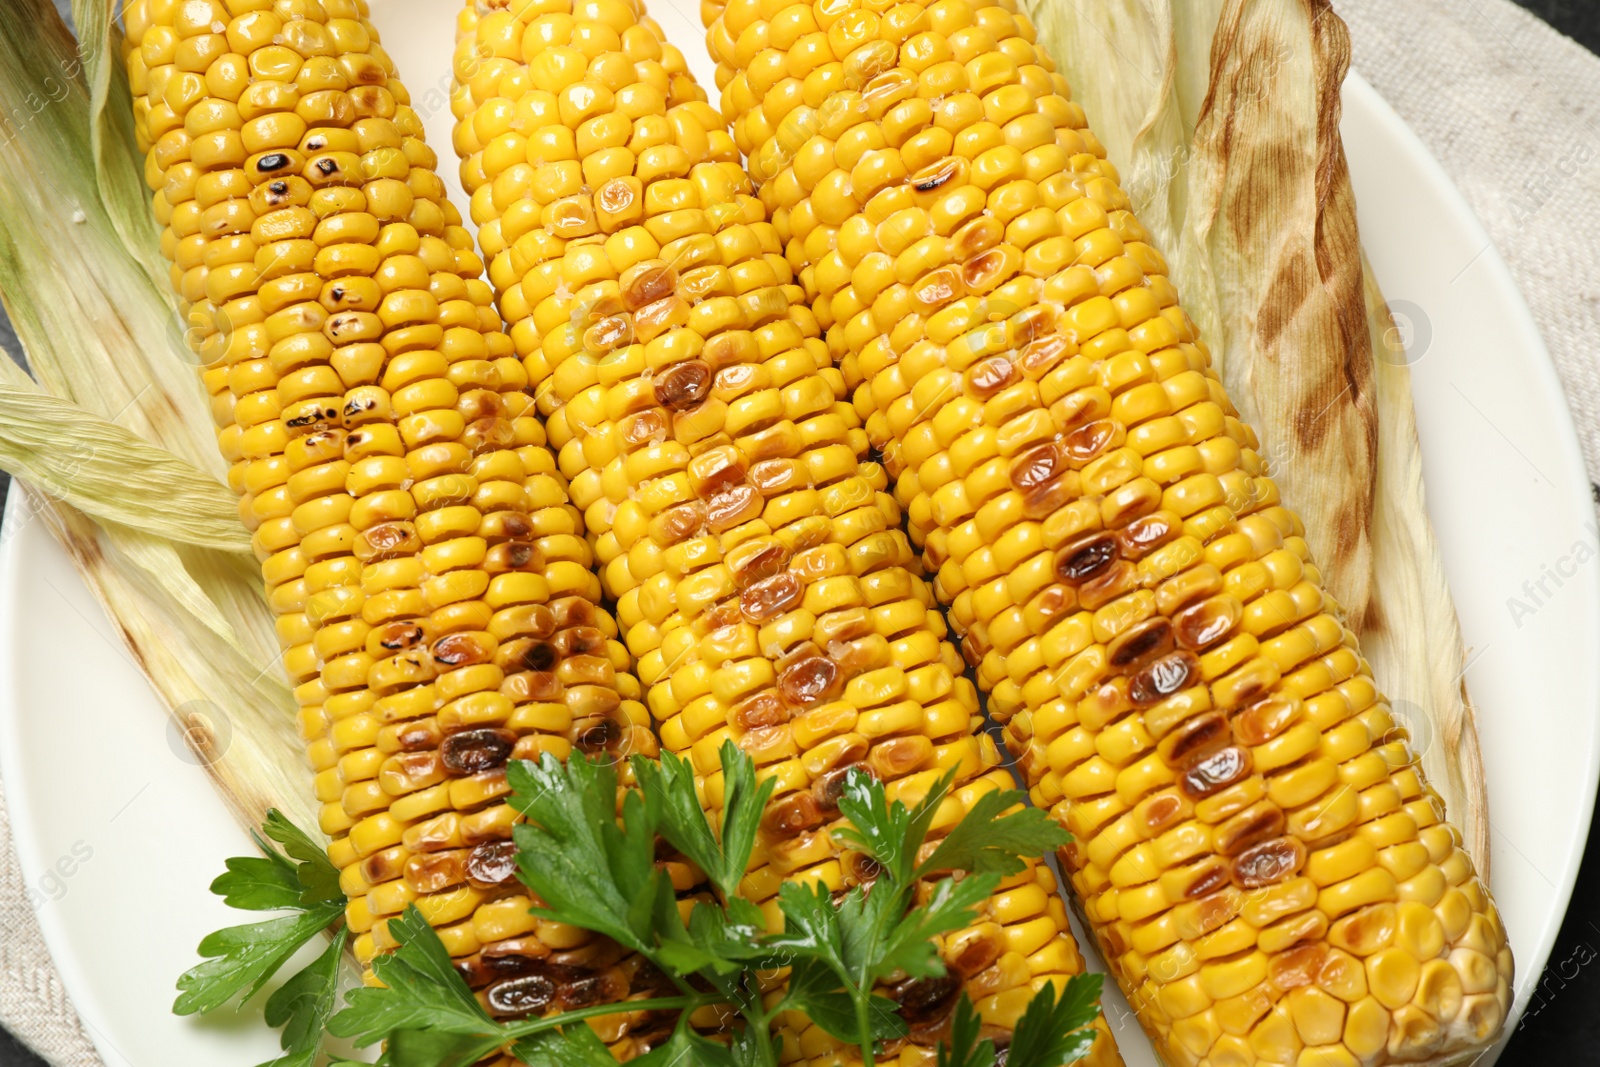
(119, 832)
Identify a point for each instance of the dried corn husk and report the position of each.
(1412, 636)
(114, 441)
(52, 443)
(1223, 117)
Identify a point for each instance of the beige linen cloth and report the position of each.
(1509, 106)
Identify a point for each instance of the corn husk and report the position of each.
(1223, 118)
(112, 437)
(1412, 636)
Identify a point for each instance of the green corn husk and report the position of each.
(113, 441)
(1223, 118)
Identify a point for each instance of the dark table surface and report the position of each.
(1562, 1023)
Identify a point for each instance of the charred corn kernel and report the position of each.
(758, 563)
(1119, 572)
(437, 611)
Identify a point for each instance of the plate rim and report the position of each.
(1565, 435)
(26, 837)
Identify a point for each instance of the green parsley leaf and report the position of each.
(421, 990)
(744, 802)
(576, 1045)
(316, 873)
(834, 955)
(668, 786)
(654, 908)
(686, 1048)
(729, 943)
(748, 1045)
(814, 988)
(963, 1049)
(884, 1016)
(241, 959)
(437, 1048)
(812, 926)
(303, 1058)
(817, 991)
(983, 841)
(1054, 1030)
(259, 883)
(910, 946)
(669, 789)
(865, 919)
(301, 1005)
(746, 915)
(589, 871)
(890, 833)
(834, 1012)
(687, 950)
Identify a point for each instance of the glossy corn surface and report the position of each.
(433, 588)
(761, 577)
(1266, 871)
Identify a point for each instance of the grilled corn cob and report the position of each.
(755, 558)
(1265, 868)
(433, 589)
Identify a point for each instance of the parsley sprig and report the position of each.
(594, 872)
(424, 1013)
(240, 960)
(589, 868)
